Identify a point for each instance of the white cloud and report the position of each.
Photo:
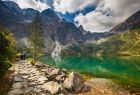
(31, 4)
(96, 21)
(71, 6)
(48, 2)
(108, 13)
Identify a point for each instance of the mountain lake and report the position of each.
(122, 70)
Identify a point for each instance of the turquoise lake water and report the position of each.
(123, 70)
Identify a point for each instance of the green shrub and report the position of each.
(32, 61)
(7, 50)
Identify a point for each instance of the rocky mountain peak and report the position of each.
(130, 23)
(53, 27)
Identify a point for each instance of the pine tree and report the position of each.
(36, 37)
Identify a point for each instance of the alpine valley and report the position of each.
(123, 39)
(55, 52)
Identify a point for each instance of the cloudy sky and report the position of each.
(93, 15)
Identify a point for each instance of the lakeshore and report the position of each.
(42, 79)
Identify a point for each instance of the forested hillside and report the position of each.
(126, 43)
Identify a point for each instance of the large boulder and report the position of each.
(74, 82)
(52, 87)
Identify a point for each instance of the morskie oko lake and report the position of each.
(123, 70)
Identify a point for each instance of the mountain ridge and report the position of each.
(55, 28)
(123, 39)
(130, 23)
(51, 23)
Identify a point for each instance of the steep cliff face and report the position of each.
(13, 8)
(5, 14)
(18, 19)
(11, 17)
(28, 14)
(57, 29)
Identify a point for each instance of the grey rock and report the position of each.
(31, 93)
(25, 84)
(31, 79)
(54, 72)
(17, 79)
(51, 74)
(44, 93)
(42, 79)
(15, 92)
(32, 84)
(52, 87)
(74, 82)
(43, 70)
(25, 72)
(60, 78)
(28, 89)
(17, 85)
(24, 76)
(37, 90)
(39, 65)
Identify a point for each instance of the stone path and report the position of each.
(41, 80)
(29, 80)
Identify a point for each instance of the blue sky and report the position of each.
(93, 15)
(70, 16)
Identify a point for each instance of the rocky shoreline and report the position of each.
(42, 79)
